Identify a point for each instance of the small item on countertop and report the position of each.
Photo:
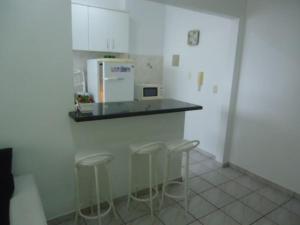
(84, 98)
(84, 103)
(109, 56)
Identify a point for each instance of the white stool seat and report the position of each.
(94, 161)
(180, 146)
(146, 148)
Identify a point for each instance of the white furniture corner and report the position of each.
(26, 206)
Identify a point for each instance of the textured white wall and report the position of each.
(215, 55)
(267, 123)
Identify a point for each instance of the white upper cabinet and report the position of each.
(119, 31)
(108, 30)
(80, 32)
(100, 29)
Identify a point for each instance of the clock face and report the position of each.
(193, 37)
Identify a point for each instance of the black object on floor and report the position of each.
(7, 184)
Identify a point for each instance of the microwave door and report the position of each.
(118, 82)
(149, 92)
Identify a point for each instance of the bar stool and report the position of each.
(149, 149)
(182, 146)
(94, 161)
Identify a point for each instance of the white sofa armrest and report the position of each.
(26, 206)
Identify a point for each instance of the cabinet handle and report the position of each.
(107, 43)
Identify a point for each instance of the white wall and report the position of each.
(147, 39)
(108, 4)
(36, 95)
(267, 123)
(146, 27)
(215, 55)
(232, 8)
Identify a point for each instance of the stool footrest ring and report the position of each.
(145, 199)
(171, 195)
(96, 217)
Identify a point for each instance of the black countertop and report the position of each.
(113, 110)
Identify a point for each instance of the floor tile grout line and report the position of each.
(139, 217)
(238, 198)
(253, 191)
(204, 200)
(188, 210)
(217, 208)
(181, 207)
(262, 215)
(257, 192)
(289, 209)
(278, 206)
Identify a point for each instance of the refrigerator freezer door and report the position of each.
(118, 82)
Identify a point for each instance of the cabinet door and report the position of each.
(118, 25)
(80, 27)
(98, 29)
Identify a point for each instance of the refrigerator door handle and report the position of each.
(113, 78)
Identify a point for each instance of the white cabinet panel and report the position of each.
(99, 29)
(80, 27)
(108, 30)
(119, 31)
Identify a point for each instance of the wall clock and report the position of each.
(193, 37)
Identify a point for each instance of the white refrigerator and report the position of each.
(111, 80)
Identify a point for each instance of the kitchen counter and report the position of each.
(143, 122)
(102, 111)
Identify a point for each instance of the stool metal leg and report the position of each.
(91, 196)
(156, 174)
(77, 195)
(186, 181)
(150, 184)
(97, 195)
(165, 179)
(129, 180)
(110, 192)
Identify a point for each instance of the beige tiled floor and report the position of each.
(219, 196)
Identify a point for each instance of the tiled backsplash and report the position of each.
(149, 69)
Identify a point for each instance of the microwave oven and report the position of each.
(148, 91)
